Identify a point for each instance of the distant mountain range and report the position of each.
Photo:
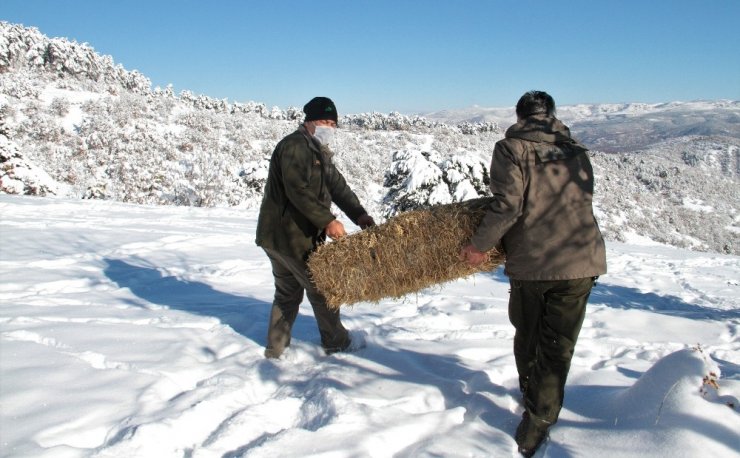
(622, 127)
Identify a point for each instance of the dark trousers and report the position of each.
(291, 280)
(548, 316)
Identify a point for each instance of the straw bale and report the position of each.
(409, 252)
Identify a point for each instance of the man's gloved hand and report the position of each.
(365, 221)
(472, 255)
(335, 230)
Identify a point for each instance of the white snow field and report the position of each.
(138, 331)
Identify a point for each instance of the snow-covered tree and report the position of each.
(419, 179)
(18, 175)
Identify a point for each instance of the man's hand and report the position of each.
(335, 230)
(472, 255)
(365, 221)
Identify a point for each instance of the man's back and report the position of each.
(545, 182)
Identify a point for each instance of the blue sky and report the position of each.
(411, 56)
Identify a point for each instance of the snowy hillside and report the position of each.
(75, 124)
(138, 331)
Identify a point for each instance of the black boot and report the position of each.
(338, 348)
(530, 434)
(278, 331)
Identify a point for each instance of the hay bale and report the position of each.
(409, 252)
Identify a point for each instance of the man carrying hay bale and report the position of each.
(295, 217)
(543, 183)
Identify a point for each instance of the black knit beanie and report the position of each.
(319, 108)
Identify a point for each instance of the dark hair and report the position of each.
(535, 102)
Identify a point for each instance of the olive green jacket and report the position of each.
(302, 183)
(542, 213)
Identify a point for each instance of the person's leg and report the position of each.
(288, 297)
(562, 309)
(526, 302)
(562, 318)
(334, 337)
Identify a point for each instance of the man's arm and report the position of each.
(346, 199)
(507, 185)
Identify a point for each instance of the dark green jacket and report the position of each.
(543, 185)
(301, 185)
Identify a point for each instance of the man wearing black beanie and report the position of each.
(320, 108)
(295, 217)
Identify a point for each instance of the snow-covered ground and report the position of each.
(135, 331)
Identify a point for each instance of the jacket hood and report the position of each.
(552, 140)
(540, 128)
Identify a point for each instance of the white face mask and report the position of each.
(324, 134)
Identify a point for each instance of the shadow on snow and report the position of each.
(621, 297)
(246, 315)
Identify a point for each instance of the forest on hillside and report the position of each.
(75, 124)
